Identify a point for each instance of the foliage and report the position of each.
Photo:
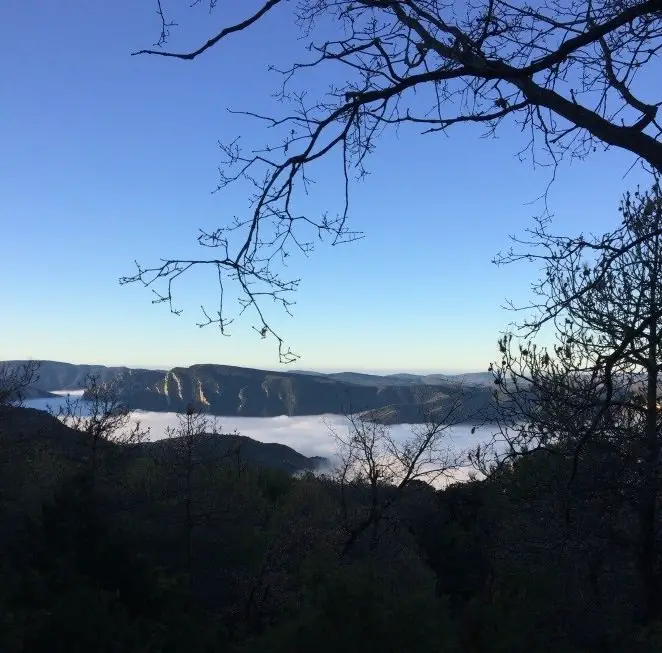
(97, 564)
(592, 399)
(15, 380)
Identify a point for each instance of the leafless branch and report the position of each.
(564, 72)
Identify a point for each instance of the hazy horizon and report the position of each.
(283, 368)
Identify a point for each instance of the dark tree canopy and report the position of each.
(15, 381)
(574, 74)
(594, 395)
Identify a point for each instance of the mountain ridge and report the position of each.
(227, 390)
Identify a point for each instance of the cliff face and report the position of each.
(224, 390)
(236, 391)
(255, 393)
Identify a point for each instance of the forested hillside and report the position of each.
(149, 549)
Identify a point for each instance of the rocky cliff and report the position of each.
(236, 391)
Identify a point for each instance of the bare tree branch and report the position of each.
(564, 72)
(15, 380)
(371, 457)
(595, 394)
(213, 41)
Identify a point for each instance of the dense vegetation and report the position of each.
(125, 557)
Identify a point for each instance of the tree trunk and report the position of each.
(187, 502)
(648, 506)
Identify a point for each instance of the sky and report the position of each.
(108, 158)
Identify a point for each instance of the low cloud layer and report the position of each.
(309, 435)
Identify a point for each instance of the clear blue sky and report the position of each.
(106, 158)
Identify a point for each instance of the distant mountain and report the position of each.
(237, 391)
(365, 379)
(54, 375)
(470, 378)
(404, 377)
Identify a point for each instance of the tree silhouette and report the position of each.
(567, 72)
(594, 394)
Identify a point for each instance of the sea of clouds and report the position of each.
(310, 435)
